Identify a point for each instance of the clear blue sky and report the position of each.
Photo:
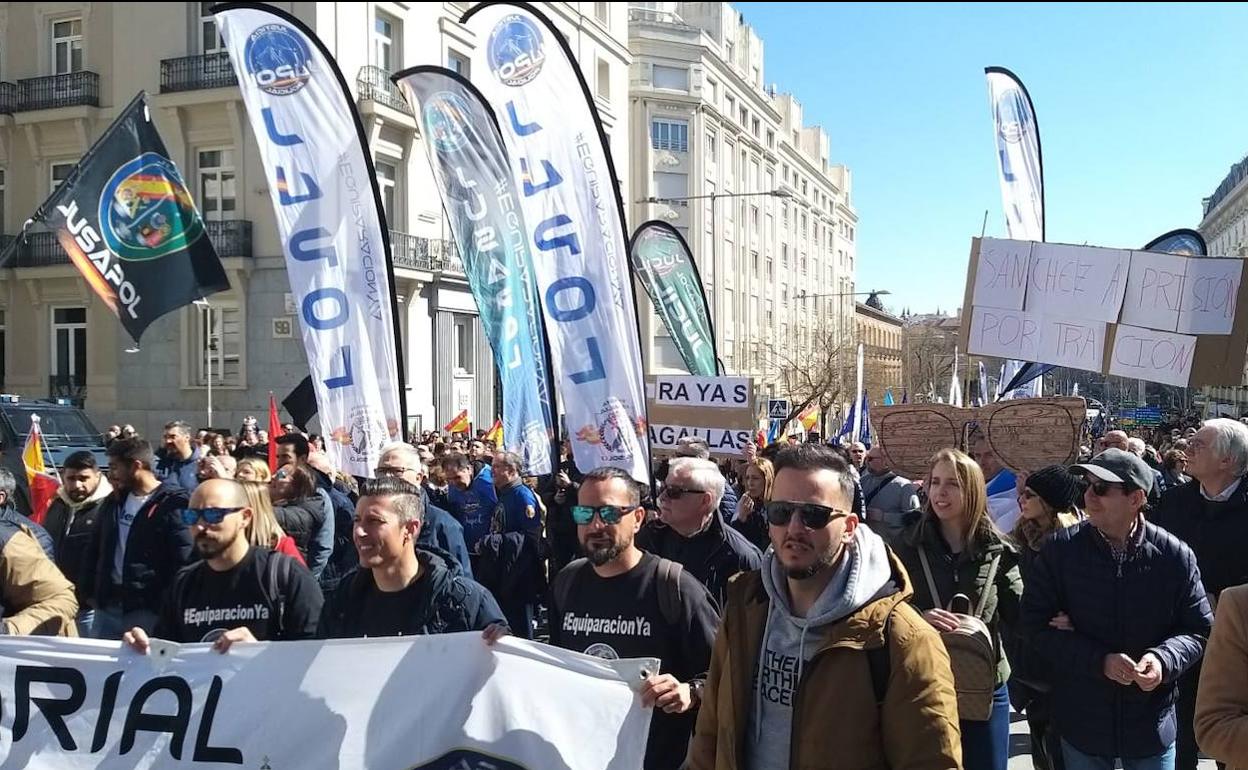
(1142, 110)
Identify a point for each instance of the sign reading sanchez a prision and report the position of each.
(718, 410)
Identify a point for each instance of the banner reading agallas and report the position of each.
(328, 217)
(661, 259)
(129, 225)
(574, 216)
(426, 703)
(483, 207)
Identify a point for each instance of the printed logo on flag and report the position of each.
(467, 759)
(446, 115)
(146, 212)
(368, 428)
(278, 59)
(1011, 116)
(616, 432)
(516, 53)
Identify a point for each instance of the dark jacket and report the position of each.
(175, 470)
(1216, 532)
(966, 573)
(302, 519)
(1153, 603)
(454, 603)
(72, 531)
(712, 556)
(512, 566)
(440, 529)
(343, 559)
(9, 515)
(158, 546)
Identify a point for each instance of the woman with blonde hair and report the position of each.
(253, 469)
(750, 520)
(264, 531)
(954, 550)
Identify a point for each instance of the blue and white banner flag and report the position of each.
(483, 207)
(574, 215)
(329, 219)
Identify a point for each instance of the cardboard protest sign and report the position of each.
(718, 410)
(1027, 434)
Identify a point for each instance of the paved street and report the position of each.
(1020, 746)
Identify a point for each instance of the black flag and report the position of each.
(129, 225)
(301, 404)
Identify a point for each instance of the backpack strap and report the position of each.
(670, 600)
(561, 586)
(988, 586)
(881, 665)
(927, 572)
(277, 574)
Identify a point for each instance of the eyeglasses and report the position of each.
(610, 514)
(386, 470)
(814, 516)
(675, 493)
(1101, 488)
(191, 516)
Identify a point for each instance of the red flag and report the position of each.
(42, 480)
(275, 430)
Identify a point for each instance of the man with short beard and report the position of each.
(623, 603)
(237, 593)
(822, 662)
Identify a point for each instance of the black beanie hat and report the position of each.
(1056, 486)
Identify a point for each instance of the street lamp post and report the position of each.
(713, 197)
(211, 347)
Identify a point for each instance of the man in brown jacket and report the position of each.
(820, 661)
(35, 598)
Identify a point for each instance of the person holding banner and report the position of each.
(237, 593)
(398, 590)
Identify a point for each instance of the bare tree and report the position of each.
(927, 358)
(816, 366)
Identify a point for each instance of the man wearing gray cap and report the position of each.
(1116, 606)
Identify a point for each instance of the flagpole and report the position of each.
(43, 446)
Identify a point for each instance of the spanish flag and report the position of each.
(495, 434)
(810, 417)
(458, 425)
(42, 481)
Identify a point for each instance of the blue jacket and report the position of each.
(1154, 603)
(9, 515)
(474, 507)
(517, 511)
(440, 529)
(179, 472)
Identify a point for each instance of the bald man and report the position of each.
(237, 593)
(1115, 439)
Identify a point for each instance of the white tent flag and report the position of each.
(858, 395)
(1018, 153)
(572, 210)
(327, 208)
(423, 702)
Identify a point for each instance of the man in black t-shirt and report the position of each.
(623, 603)
(237, 593)
(398, 589)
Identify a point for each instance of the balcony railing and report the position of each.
(191, 73)
(39, 250)
(69, 90)
(374, 84)
(231, 237)
(71, 386)
(8, 98)
(417, 253)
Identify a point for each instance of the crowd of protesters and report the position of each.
(811, 606)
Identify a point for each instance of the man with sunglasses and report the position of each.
(691, 530)
(821, 661)
(1116, 606)
(622, 603)
(237, 593)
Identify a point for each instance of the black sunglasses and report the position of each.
(814, 516)
(1102, 488)
(610, 514)
(191, 516)
(675, 493)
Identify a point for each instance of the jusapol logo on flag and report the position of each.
(146, 212)
(516, 50)
(278, 59)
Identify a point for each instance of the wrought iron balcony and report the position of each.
(431, 254)
(71, 386)
(191, 73)
(69, 90)
(8, 98)
(38, 250)
(375, 86)
(230, 237)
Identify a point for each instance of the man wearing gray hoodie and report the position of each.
(820, 661)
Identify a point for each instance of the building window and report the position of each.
(3, 348)
(69, 344)
(600, 12)
(731, 105)
(387, 180)
(604, 79)
(217, 190)
(209, 36)
(670, 135)
(3, 197)
(729, 313)
(770, 265)
(710, 148)
(730, 53)
(385, 52)
(771, 139)
(671, 78)
(784, 256)
(59, 173)
(218, 341)
(744, 116)
(672, 186)
(754, 262)
(754, 222)
(712, 90)
(803, 263)
(465, 348)
(67, 46)
(457, 62)
(756, 128)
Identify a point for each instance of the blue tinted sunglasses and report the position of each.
(191, 516)
(610, 514)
